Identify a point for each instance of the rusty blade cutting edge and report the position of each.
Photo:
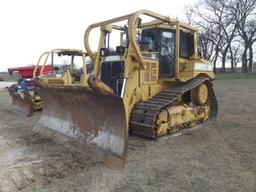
(85, 120)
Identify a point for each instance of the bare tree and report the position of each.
(245, 17)
(235, 54)
(218, 28)
(225, 28)
(208, 40)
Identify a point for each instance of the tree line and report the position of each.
(227, 31)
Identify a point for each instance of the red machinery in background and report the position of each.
(27, 72)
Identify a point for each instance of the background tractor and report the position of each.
(25, 99)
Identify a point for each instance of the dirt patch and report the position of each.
(211, 158)
(4, 84)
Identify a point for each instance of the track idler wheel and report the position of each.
(200, 94)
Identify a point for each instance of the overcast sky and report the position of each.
(30, 27)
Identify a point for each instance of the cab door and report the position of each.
(167, 54)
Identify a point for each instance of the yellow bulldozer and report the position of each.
(148, 80)
(27, 101)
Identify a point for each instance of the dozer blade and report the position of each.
(22, 102)
(85, 120)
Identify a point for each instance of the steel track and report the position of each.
(144, 115)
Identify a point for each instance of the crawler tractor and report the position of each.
(152, 83)
(25, 100)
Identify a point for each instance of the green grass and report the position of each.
(235, 76)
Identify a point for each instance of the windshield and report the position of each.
(147, 40)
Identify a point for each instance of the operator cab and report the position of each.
(159, 43)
